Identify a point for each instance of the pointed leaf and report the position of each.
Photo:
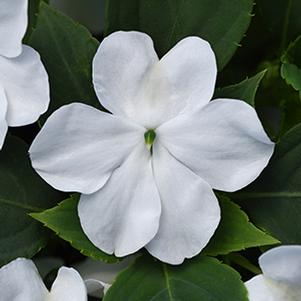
(67, 50)
(64, 221)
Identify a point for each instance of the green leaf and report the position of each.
(223, 23)
(273, 201)
(64, 221)
(291, 65)
(21, 191)
(67, 50)
(235, 232)
(33, 10)
(245, 90)
(199, 279)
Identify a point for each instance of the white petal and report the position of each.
(119, 66)
(124, 215)
(20, 281)
(224, 143)
(263, 289)
(3, 110)
(79, 147)
(68, 286)
(190, 210)
(150, 92)
(13, 24)
(191, 70)
(283, 264)
(25, 83)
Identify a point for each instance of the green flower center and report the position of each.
(149, 137)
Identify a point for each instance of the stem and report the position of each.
(285, 24)
(245, 263)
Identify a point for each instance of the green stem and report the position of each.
(285, 24)
(244, 262)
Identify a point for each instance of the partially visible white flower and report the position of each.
(146, 172)
(24, 87)
(99, 276)
(20, 281)
(281, 278)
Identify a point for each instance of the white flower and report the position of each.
(20, 281)
(24, 88)
(281, 278)
(146, 172)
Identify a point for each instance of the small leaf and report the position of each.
(273, 201)
(235, 232)
(200, 279)
(67, 50)
(291, 65)
(64, 221)
(245, 90)
(223, 23)
(21, 191)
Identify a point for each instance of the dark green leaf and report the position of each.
(282, 18)
(245, 90)
(273, 201)
(235, 232)
(67, 50)
(63, 220)
(199, 279)
(33, 10)
(21, 191)
(221, 22)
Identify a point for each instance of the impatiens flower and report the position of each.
(24, 88)
(281, 278)
(146, 171)
(20, 281)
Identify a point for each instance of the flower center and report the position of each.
(149, 137)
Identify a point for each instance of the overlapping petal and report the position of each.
(224, 143)
(262, 289)
(26, 86)
(190, 210)
(130, 81)
(79, 147)
(282, 264)
(281, 279)
(20, 281)
(13, 24)
(68, 286)
(3, 111)
(123, 216)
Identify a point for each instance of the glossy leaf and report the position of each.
(235, 232)
(64, 221)
(67, 50)
(199, 279)
(273, 201)
(245, 90)
(221, 22)
(21, 191)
